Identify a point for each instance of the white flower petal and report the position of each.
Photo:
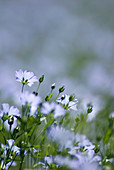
(10, 142)
(47, 108)
(59, 111)
(5, 107)
(13, 111)
(28, 75)
(19, 75)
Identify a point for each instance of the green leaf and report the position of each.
(32, 130)
(107, 136)
(1, 126)
(48, 124)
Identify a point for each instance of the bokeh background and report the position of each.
(71, 42)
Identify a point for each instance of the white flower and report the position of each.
(11, 111)
(52, 107)
(25, 77)
(31, 100)
(65, 100)
(11, 146)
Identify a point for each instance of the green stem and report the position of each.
(20, 168)
(38, 88)
(56, 97)
(12, 162)
(22, 88)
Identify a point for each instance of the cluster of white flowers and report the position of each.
(10, 145)
(33, 106)
(66, 140)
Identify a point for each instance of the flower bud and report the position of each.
(41, 79)
(63, 97)
(46, 98)
(11, 120)
(5, 117)
(61, 89)
(35, 93)
(17, 129)
(71, 98)
(90, 108)
(53, 86)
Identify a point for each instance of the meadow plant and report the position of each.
(46, 133)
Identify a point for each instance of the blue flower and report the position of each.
(26, 77)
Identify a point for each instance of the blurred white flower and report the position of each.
(66, 161)
(5, 109)
(85, 158)
(59, 111)
(65, 100)
(49, 159)
(83, 141)
(52, 107)
(111, 115)
(26, 77)
(30, 100)
(61, 135)
(47, 108)
(11, 111)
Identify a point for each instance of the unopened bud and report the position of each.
(35, 93)
(61, 89)
(41, 79)
(63, 97)
(5, 117)
(90, 108)
(53, 86)
(71, 98)
(10, 120)
(17, 129)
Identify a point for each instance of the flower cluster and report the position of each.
(42, 133)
